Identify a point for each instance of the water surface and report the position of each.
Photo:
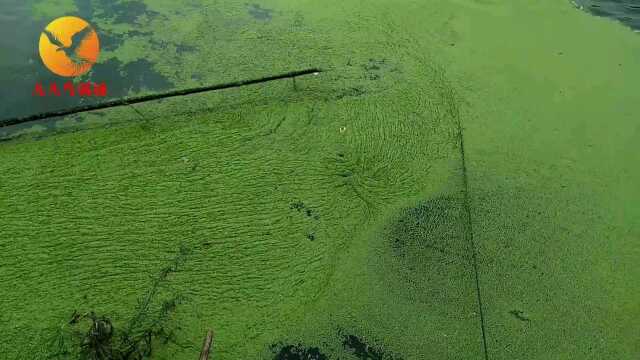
(626, 11)
(21, 67)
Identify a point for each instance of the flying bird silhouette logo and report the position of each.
(69, 46)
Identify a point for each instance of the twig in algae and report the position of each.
(145, 98)
(206, 347)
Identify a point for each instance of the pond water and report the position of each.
(626, 11)
(21, 67)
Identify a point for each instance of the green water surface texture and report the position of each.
(331, 220)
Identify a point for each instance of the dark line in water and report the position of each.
(136, 100)
(471, 240)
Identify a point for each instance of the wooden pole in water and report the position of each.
(206, 347)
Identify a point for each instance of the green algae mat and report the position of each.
(461, 183)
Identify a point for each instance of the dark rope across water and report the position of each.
(136, 100)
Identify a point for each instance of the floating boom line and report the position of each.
(151, 97)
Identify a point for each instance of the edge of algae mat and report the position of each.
(191, 43)
(133, 192)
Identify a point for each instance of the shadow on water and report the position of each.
(626, 11)
(21, 67)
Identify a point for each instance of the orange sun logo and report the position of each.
(69, 46)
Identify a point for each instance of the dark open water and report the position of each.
(21, 67)
(626, 11)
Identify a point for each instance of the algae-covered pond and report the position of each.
(461, 182)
